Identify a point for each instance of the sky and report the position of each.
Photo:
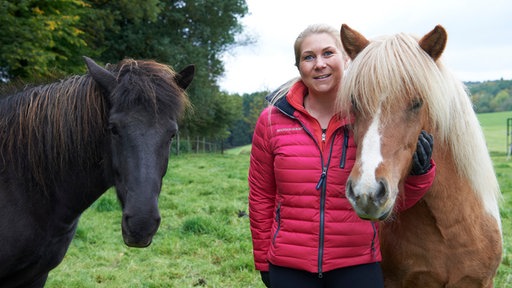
(479, 44)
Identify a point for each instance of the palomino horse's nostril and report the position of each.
(381, 191)
(350, 191)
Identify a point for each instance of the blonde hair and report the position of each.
(310, 30)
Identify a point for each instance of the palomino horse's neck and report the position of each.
(451, 226)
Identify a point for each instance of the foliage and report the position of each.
(41, 38)
(180, 33)
(491, 96)
(46, 39)
(243, 127)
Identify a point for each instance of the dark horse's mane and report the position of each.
(49, 129)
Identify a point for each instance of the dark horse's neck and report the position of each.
(53, 143)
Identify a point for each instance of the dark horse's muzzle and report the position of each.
(138, 231)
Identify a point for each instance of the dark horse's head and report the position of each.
(145, 100)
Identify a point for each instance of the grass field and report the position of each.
(202, 241)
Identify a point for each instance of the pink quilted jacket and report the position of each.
(299, 215)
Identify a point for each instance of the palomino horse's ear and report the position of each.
(434, 42)
(102, 76)
(185, 76)
(353, 42)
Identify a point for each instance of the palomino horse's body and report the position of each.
(396, 87)
(62, 145)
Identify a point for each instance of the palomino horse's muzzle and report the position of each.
(371, 201)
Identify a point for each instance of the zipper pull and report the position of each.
(321, 180)
(323, 134)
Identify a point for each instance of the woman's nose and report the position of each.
(320, 63)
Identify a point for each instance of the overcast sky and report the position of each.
(479, 35)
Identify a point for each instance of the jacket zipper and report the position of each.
(322, 186)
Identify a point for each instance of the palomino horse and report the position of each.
(64, 144)
(396, 87)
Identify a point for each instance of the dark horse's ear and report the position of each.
(353, 42)
(185, 76)
(102, 76)
(434, 42)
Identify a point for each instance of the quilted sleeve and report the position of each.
(262, 191)
(415, 187)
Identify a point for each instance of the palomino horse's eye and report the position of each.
(354, 104)
(416, 104)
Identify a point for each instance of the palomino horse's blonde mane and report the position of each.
(396, 68)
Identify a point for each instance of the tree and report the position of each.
(243, 128)
(501, 101)
(177, 33)
(41, 38)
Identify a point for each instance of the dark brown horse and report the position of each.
(396, 87)
(64, 144)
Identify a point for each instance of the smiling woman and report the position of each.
(304, 231)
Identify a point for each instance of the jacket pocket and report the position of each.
(345, 148)
(278, 221)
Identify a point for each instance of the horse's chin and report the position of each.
(382, 217)
(137, 243)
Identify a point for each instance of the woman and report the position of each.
(304, 231)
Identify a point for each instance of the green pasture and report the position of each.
(204, 238)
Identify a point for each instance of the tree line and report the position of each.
(491, 96)
(43, 40)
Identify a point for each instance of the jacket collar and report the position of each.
(293, 101)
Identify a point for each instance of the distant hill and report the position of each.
(491, 96)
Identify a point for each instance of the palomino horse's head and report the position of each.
(386, 89)
(145, 100)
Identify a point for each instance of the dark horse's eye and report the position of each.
(113, 130)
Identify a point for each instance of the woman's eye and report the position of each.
(328, 53)
(308, 58)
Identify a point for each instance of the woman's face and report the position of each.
(321, 64)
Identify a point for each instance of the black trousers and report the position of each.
(360, 276)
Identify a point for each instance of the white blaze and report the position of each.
(370, 157)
